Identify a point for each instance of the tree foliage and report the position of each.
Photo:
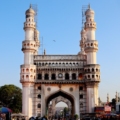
(76, 116)
(11, 97)
(113, 104)
(65, 111)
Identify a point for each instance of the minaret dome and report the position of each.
(89, 12)
(30, 11)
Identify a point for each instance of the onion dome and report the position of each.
(89, 11)
(30, 10)
(83, 31)
(82, 52)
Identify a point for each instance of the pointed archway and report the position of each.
(63, 94)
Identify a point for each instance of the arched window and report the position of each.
(39, 77)
(88, 76)
(39, 88)
(53, 77)
(27, 76)
(80, 76)
(92, 76)
(46, 77)
(39, 105)
(81, 96)
(73, 76)
(66, 76)
(92, 69)
(39, 96)
(80, 88)
(81, 105)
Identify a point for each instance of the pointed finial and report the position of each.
(44, 52)
(107, 97)
(89, 6)
(30, 6)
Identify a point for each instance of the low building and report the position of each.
(118, 107)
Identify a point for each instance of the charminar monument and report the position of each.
(45, 78)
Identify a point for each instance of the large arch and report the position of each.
(63, 94)
(60, 99)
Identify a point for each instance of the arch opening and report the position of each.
(80, 77)
(46, 77)
(66, 76)
(53, 77)
(63, 95)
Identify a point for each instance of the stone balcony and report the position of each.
(60, 57)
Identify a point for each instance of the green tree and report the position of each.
(65, 111)
(113, 104)
(11, 97)
(76, 116)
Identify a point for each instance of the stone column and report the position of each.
(70, 75)
(43, 102)
(53, 106)
(76, 102)
(90, 98)
(42, 75)
(77, 75)
(96, 94)
(56, 75)
(63, 76)
(49, 75)
(27, 98)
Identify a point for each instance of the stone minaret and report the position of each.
(99, 101)
(91, 45)
(28, 70)
(82, 41)
(108, 99)
(116, 97)
(93, 69)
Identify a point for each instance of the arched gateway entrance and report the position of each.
(63, 94)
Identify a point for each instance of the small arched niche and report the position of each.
(80, 76)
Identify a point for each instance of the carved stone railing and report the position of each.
(60, 57)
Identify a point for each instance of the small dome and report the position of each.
(30, 10)
(83, 31)
(89, 11)
(82, 53)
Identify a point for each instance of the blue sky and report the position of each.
(61, 20)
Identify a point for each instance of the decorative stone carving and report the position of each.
(71, 89)
(48, 89)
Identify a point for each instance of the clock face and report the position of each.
(60, 75)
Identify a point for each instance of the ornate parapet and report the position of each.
(60, 57)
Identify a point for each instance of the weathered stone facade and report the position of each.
(46, 77)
